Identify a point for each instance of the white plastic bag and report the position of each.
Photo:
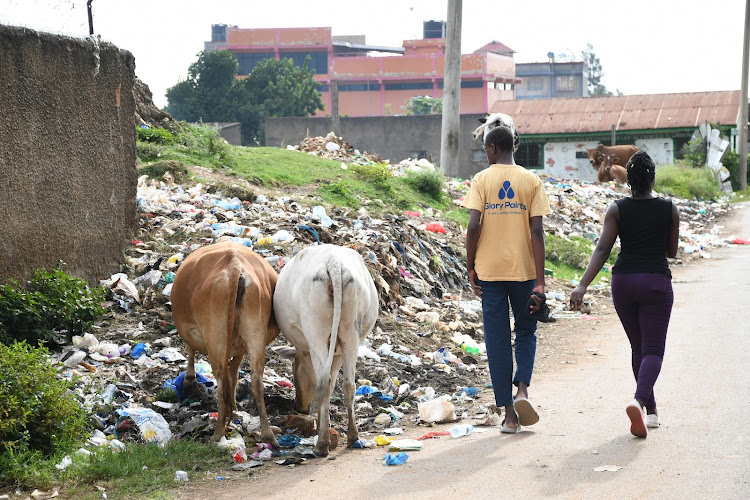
(437, 410)
(152, 425)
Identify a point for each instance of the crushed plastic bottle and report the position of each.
(460, 430)
(180, 475)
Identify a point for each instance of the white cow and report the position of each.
(325, 304)
(495, 120)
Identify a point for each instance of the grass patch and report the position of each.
(682, 181)
(565, 273)
(740, 196)
(156, 170)
(140, 471)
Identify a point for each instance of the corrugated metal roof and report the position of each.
(631, 112)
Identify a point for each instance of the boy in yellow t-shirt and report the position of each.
(505, 260)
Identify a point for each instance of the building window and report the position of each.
(248, 60)
(323, 87)
(529, 155)
(478, 156)
(318, 60)
(472, 84)
(219, 33)
(358, 87)
(536, 83)
(408, 86)
(565, 83)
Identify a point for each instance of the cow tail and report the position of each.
(335, 274)
(238, 283)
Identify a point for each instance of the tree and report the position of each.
(595, 73)
(277, 88)
(212, 93)
(424, 105)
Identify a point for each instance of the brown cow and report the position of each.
(222, 304)
(611, 172)
(620, 154)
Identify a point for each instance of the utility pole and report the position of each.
(335, 122)
(743, 102)
(449, 136)
(91, 17)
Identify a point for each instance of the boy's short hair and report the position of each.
(502, 137)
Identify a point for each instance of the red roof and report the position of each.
(632, 112)
(495, 46)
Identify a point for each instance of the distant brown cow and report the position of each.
(620, 154)
(222, 304)
(611, 172)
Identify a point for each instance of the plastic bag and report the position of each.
(152, 425)
(437, 410)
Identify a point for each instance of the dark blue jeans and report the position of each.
(495, 298)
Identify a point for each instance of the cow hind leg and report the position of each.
(350, 361)
(226, 394)
(323, 397)
(234, 370)
(257, 364)
(190, 387)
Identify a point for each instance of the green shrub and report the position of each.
(155, 135)
(731, 160)
(429, 182)
(157, 170)
(39, 417)
(377, 173)
(694, 152)
(682, 181)
(574, 251)
(52, 301)
(149, 151)
(205, 139)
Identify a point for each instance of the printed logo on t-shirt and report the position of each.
(509, 207)
(506, 190)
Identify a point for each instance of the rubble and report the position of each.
(425, 362)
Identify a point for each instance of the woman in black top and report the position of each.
(648, 228)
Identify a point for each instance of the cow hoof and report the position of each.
(321, 451)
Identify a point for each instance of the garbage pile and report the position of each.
(335, 148)
(424, 362)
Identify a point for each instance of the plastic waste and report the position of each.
(405, 445)
(397, 459)
(437, 410)
(110, 392)
(88, 340)
(320, 213)
(282, 236)
(332, 146)
(233, 204)
(460, 430)
(383, 419)
(152, 425)
(470, 349)
(180, 475)
(72, 358)
(435, 227)
(138, 350)
(470, 391)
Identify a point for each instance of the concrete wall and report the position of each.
(67, 154)
(391, 137)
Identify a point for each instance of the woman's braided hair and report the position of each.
(641, 171)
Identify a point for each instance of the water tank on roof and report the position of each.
(218, 32)
(434, 29)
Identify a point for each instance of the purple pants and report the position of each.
(644, 303)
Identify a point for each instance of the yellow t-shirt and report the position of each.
(507, 197)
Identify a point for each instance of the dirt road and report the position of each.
(702, 449)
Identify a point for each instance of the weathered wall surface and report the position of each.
(67, 154)
(392, 137)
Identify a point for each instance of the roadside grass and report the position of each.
(140, 471)
(740, 196)
(683, 181)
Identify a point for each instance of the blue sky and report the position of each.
(645, 46)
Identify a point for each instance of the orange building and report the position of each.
(376, 85)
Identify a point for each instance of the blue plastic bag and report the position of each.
(397, 459)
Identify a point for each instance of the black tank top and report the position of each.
(644, 235)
